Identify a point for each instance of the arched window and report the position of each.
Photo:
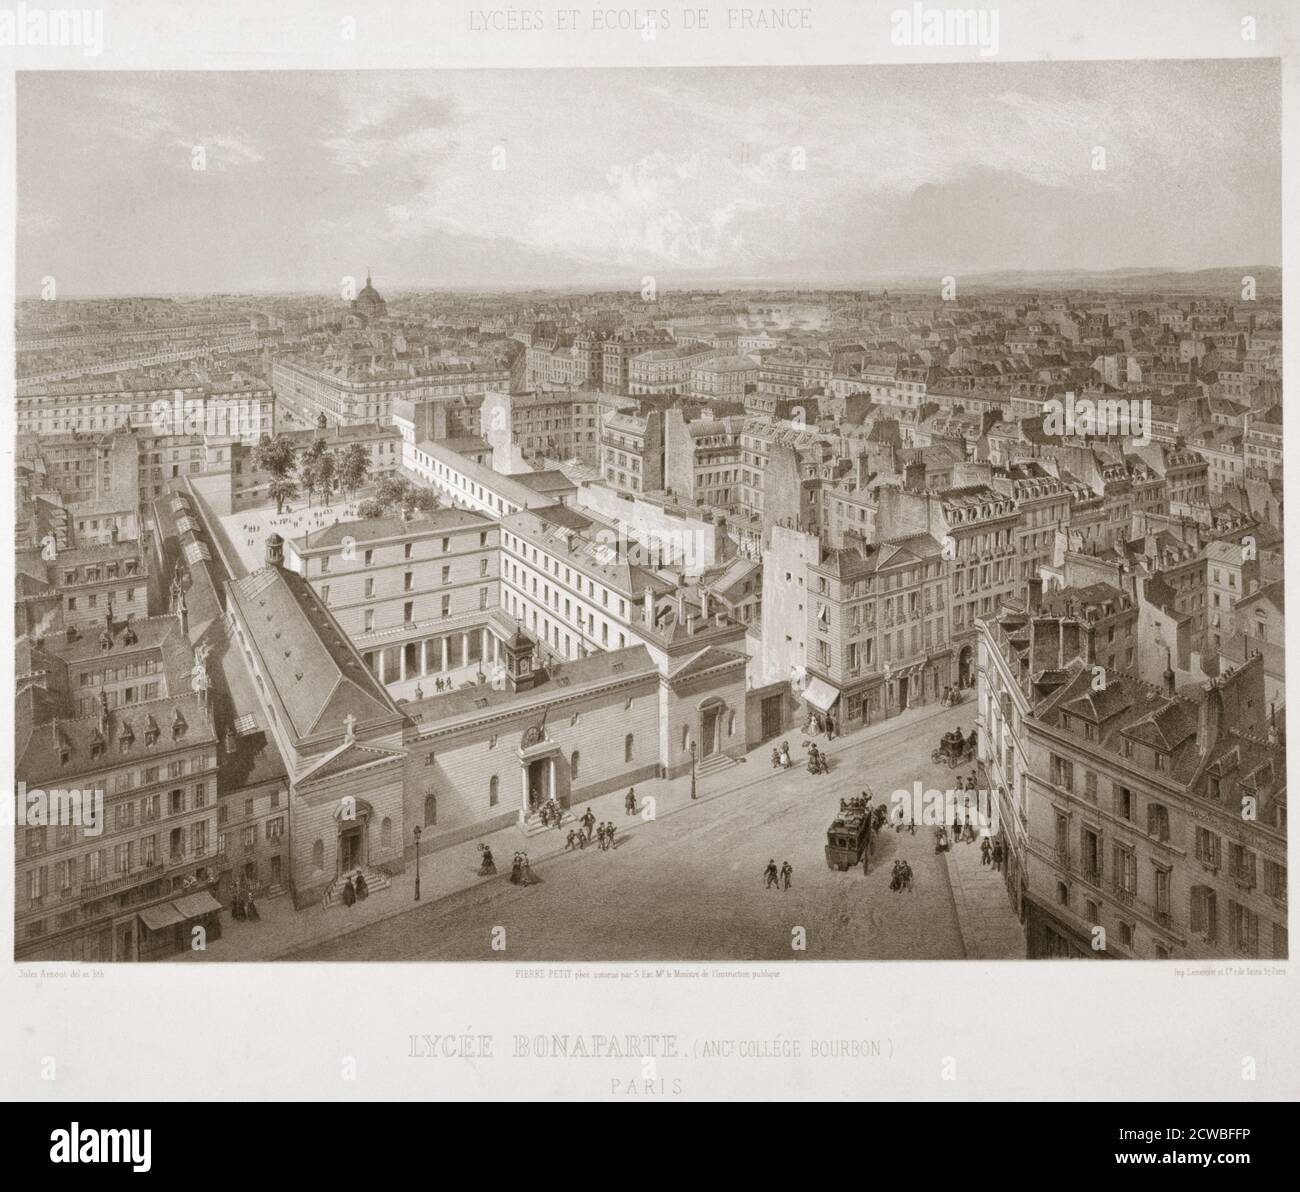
(386, 833)
(574, 758)
(430, 810)
(494, 790)
(627, 748)
(318, 855)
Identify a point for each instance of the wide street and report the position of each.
(689, 885)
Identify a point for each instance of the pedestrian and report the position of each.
(588, 822)
(986, 851)
(629, 804)
(571, 841)
(787, 872)
(830, 728)
(997, 856)
(516, 869)
(362, 889)
(349, 893)
(488, 865)
(770, 876)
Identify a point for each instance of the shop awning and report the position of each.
(820, 694)
(163, 915)
(191, 906)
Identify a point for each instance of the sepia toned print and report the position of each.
(612, 515)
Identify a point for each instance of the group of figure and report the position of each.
(814, 727)
(521, 872)
(901, 878)
(580, 838)
(951, 696)
(781, 756)
(243, 907)
(355, 889)
(315, 519)
(817, 762)
(550, 814)
(777, 879)
(438, 685)
(991, 854)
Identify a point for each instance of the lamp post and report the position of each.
(692, 769)
(417, 862)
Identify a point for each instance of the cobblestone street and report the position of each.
(688, 885)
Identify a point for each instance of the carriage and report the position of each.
(954, 749)
(848, 838)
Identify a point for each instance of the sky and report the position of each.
(720, 176)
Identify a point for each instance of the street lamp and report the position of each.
(417, 862)
(692, 769)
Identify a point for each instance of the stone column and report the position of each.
(444, 640)
(464, 648)
(380, 656)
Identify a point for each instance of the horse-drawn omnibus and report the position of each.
(848, 839)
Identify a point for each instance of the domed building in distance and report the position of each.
(368, 304)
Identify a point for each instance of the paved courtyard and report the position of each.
(688, 884)
(248, 530)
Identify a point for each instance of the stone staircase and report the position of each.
(376, 880)
(715, 763)
(532, 825)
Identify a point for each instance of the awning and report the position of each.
(191, 906)
(820, 694)
(163, 915)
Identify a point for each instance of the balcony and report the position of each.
(1127, 897)
(95, 890)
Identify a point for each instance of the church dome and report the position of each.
(368, 302)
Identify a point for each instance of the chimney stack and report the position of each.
(704, 605)
(1210, 717)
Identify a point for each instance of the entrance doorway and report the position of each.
(539, 782)
(772, 716)
(709, 723)
(902, 695)
(350, 850)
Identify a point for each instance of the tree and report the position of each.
(327, 473)
(283, 488)
(423, 499)
(275, 455)
(309, 473)
(354, 468)
(372, 508)
(392, 490)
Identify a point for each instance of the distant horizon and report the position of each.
(903, 282)
(713, 178)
